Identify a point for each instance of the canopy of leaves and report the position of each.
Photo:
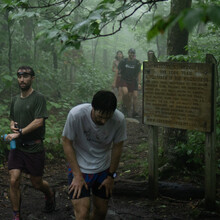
(72, 22)
(188, 19)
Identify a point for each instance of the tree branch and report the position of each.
(152, 2)
(48, 5)
(66, 15)
(63, 8)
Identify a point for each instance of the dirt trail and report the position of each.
(120, 207)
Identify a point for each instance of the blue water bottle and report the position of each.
(12, 142)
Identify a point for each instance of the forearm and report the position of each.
(29, 128)
(33, 126)
(139, 77)
(71, 156)
(115, 157)
(113, 68)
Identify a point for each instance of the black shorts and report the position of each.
(30, 163)
(93, 181)
(131, 85)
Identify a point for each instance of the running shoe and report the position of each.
(50, 204)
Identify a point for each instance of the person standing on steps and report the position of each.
(28, 114)
(93, 138)
(130, 82)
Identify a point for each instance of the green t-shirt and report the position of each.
(24, 111)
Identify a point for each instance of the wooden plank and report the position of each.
(178, 95)
(153, 148)
(153, 161)
(210, 147)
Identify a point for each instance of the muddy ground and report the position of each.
(126, 206)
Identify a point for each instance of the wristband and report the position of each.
(20, 131)
(112, 175)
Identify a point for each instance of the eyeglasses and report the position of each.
(24, 74)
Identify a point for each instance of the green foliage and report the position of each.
(88, 81)
(12, 4)
(52, 140)
(191, 155)
(137, 160)
(4, 129)
(179, 58)
(161, 24)
(57, 21)
(73, 79)
(187, 19)
(4, 112)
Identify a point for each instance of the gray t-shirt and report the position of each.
(92, 143)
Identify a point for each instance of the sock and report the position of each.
(16, 213)
(49, 198)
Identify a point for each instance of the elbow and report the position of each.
(39, 123)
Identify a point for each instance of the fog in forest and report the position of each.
(70, 73)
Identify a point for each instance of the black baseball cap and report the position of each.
(132, 51)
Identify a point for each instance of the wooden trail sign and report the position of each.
(178, 95)
(181, 95)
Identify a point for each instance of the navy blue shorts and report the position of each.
(93, 181)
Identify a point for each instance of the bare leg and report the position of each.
(100, 208)
(129, 103)
(81, 208)
(15, 193)
(119, 97)
(42, 185)
(135, 101)
(125, 98)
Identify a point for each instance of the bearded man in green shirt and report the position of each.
(28, 114)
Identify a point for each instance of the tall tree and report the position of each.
(10, 32)
(178, 38)
(176, 45)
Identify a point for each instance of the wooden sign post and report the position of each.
(153, 148)
(180, 95)
(210, 146)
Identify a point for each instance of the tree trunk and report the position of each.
(177, 38)
(94, 47)
(9, 42)
(55, 59)
(28, 26)
(176, 45)
(160, 40)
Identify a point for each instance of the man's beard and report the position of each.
(99, 123)
(26, 88)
